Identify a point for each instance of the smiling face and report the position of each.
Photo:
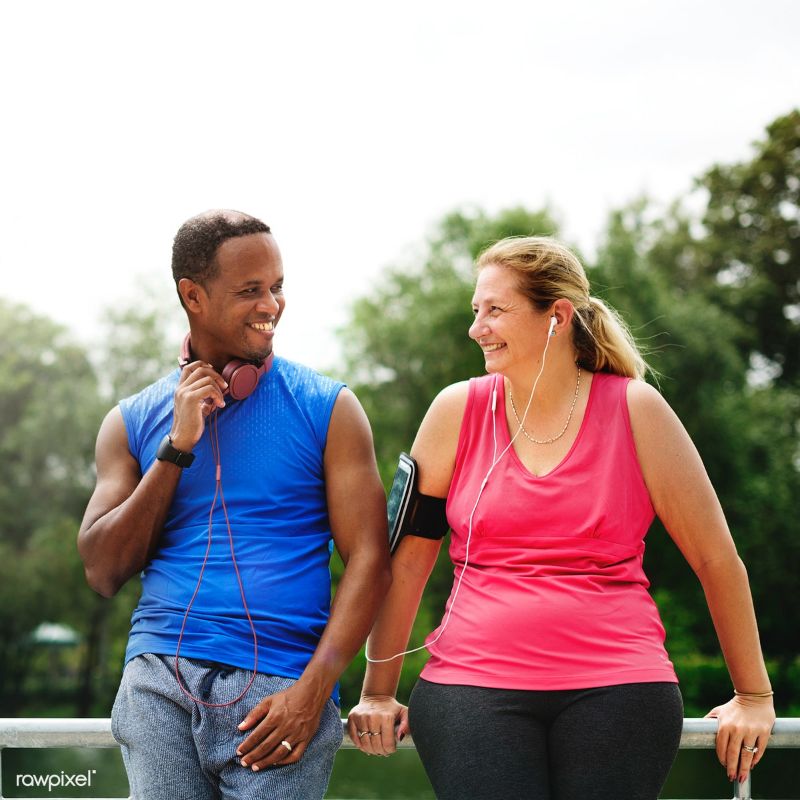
(509, 330)
(237, 310)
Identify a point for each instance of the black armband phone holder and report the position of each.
(412, 513)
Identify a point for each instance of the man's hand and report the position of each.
(292, 716)
(199, 392)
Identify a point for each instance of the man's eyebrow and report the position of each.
(251, 282)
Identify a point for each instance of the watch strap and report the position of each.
(166, 452)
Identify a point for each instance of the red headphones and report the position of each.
(241, 376)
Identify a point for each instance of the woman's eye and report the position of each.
(493, 311)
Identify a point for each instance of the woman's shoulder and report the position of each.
(644, 400)
(455, 396)
(640, 397)
(444, 415)
(436, 441)
(452, 397)
(657, 431)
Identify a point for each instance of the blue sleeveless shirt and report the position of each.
(271, 453)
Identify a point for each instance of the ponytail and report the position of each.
(604, 343)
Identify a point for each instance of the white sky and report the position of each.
(352, 127)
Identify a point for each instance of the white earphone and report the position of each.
(553, 323)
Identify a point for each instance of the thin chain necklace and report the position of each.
(566, 424)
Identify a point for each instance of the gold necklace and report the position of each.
(566, 424)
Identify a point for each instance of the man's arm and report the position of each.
(357, 511)
(126, 512)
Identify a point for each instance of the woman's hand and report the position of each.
(744, 723)
(371, 724)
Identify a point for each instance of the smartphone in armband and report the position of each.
(411, 513)
(405, 479)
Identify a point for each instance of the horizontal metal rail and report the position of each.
(698, 734)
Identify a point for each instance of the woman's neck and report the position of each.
(555, 386)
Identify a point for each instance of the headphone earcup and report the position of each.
(241, 377)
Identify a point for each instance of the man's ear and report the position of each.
(192, 294)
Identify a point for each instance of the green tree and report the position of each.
(140, 342)
(749, 260)
(50, 411)
(52, 403)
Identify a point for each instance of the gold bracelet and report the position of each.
(753, 694)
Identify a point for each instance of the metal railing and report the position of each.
(698, 734)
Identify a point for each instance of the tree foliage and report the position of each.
(51, 402)
(50, 413)
(750, 254)
(140, 342)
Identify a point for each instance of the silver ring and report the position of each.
(286, 744)
(749, 749)
(362, 733)
(374, 733)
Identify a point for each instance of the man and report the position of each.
(230, 683)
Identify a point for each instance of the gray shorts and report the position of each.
(176, 749)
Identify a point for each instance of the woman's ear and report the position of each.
(563, 311)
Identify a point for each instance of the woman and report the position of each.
(548, 677)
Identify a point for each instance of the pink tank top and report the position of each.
(554, 596)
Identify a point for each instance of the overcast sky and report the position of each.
(352, 127)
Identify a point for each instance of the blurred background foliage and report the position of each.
(711, 289)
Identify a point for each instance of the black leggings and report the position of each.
(611, 742)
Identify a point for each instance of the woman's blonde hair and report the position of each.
(548, 271)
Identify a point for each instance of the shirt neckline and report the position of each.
(506, 433)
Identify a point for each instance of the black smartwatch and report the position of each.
(166, 452)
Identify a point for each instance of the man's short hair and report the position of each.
(198, 239)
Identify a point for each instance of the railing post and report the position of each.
(744, 790)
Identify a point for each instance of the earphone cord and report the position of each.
(215, 450)
(495, 462)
